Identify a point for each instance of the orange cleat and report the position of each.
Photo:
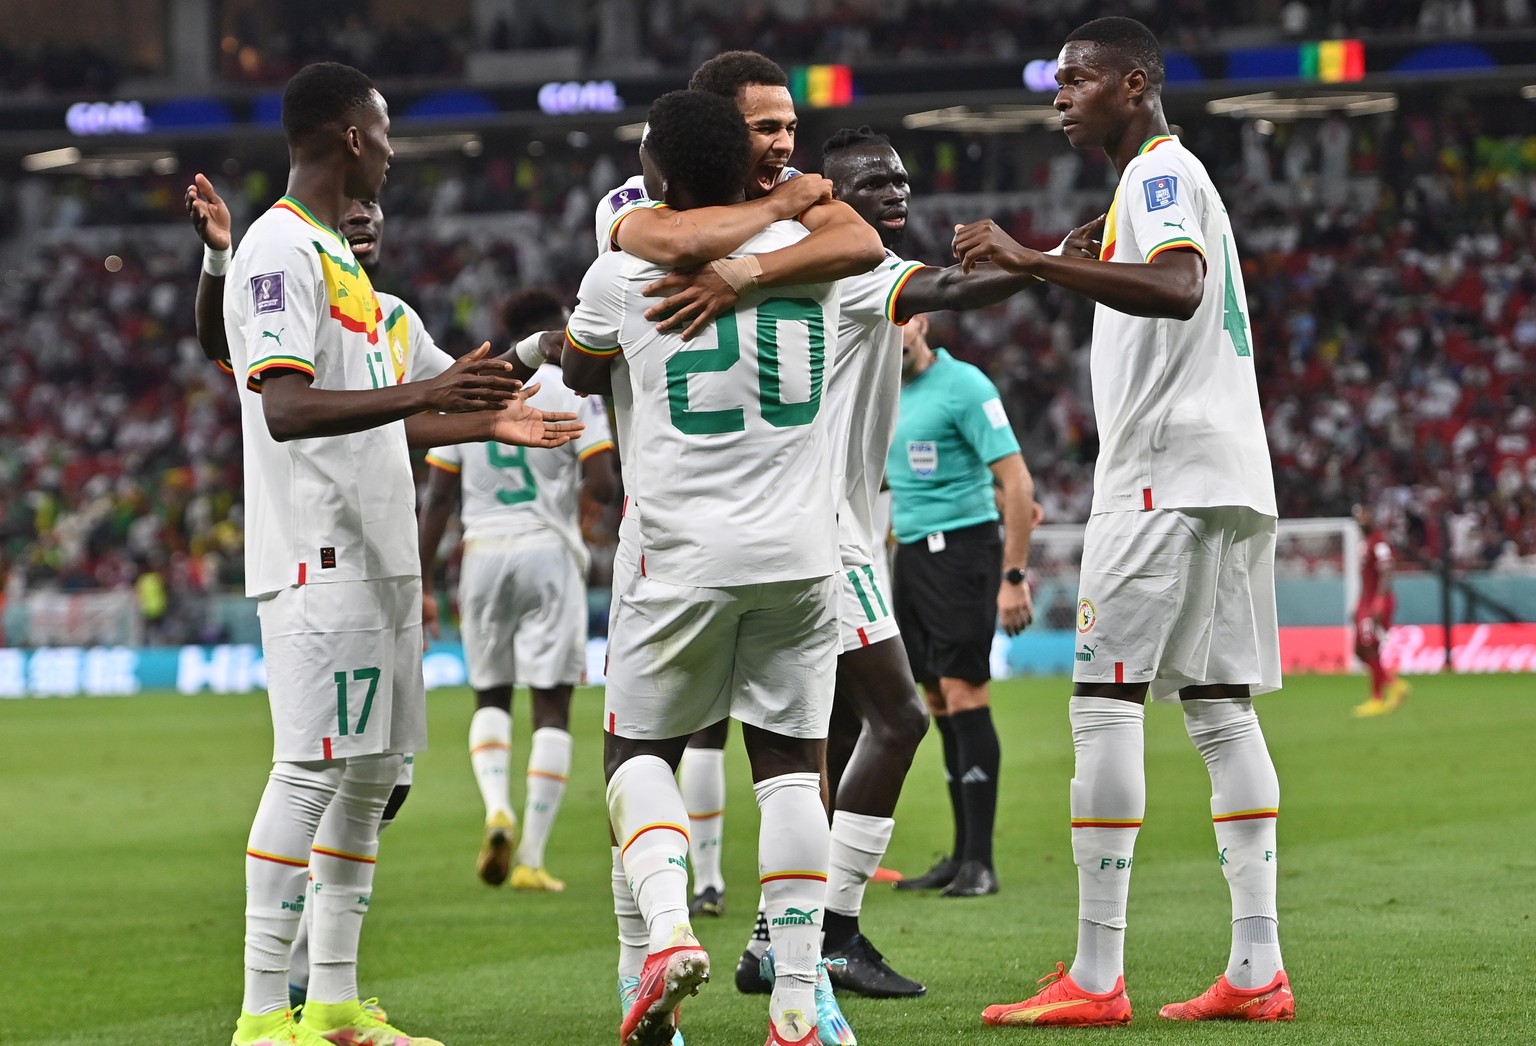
(886, 875)
(1222, 1002)
(1062, 1004)
(669, 977)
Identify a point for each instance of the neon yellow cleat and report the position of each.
(1397, 693)
(526, 878)
(1370, 709)
(273, 1029)
(496, 849)
(350, 1024)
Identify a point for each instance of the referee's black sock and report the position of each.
(980, 758)
(952, 774)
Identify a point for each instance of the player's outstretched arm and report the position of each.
(295, 409)
(931, 288)
(1170, 286)
(688, 239)
(211, 220)
(438, 502)
(840, 244)
(541, 348)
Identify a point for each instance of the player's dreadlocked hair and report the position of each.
(852, 138)
(322, 94)
(699, 140)
(1130, 40)
(531, 311)
(728, 72)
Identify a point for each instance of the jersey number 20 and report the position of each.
(770, 314)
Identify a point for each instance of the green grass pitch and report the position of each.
(1406, 890)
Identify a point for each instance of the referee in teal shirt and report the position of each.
(955, 577)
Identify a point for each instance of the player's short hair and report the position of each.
(852, 138)
(1127, 38)
(728, 72)
(699, 140)
(533, 310)
(322, 94)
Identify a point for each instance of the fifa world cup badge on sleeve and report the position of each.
(1162, 191)
(267, 293)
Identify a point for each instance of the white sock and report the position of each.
(342, 863)
(649, 820)
(792, 854)
(859, 842)
(634, 936)
(1109, 800)
(1245, 802)
(276, 874)
(549, 764)
(701, 776)
(490, 754)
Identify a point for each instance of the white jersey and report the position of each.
(864, 393)
(328, 508)
(525, 491)
(732, 450)
(1177, 401)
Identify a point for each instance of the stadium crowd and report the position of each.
(1397, 326)
(258, 49)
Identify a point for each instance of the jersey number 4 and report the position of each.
(1232, 317)
(770, 314)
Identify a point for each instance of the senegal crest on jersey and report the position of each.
(350, 294)
(397, 332)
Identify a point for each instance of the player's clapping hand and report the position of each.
(1085, 241)
(799, 194)
(473, 383)
(521, 425)
(209, 214)
(984, 241)
(1015, 607)
(691, 300)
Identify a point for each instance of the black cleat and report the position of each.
(865, 972)
(709, 901)
(935, 878)
(974, 879)
(749, 975)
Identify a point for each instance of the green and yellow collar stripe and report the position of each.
(1153, 142)
(890, 299)
(254, 372)
(292, 206)
(591, 350)
(1168, 245)
(447, 466)
(595, 448)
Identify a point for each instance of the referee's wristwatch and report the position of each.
(1014, 576)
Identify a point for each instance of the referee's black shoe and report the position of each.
(749, 975)
(974, 879)
(864, 971)
(935, 878)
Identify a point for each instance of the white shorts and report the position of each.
(344, 669)
(681, 658)
(626, 556)
(864, 610)
(1179, 598)
(522, 612)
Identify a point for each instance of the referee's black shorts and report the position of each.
(946, 603)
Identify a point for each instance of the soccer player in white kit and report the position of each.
(1177, 594)
(330, 553)
(522, 598)
(732, 610)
